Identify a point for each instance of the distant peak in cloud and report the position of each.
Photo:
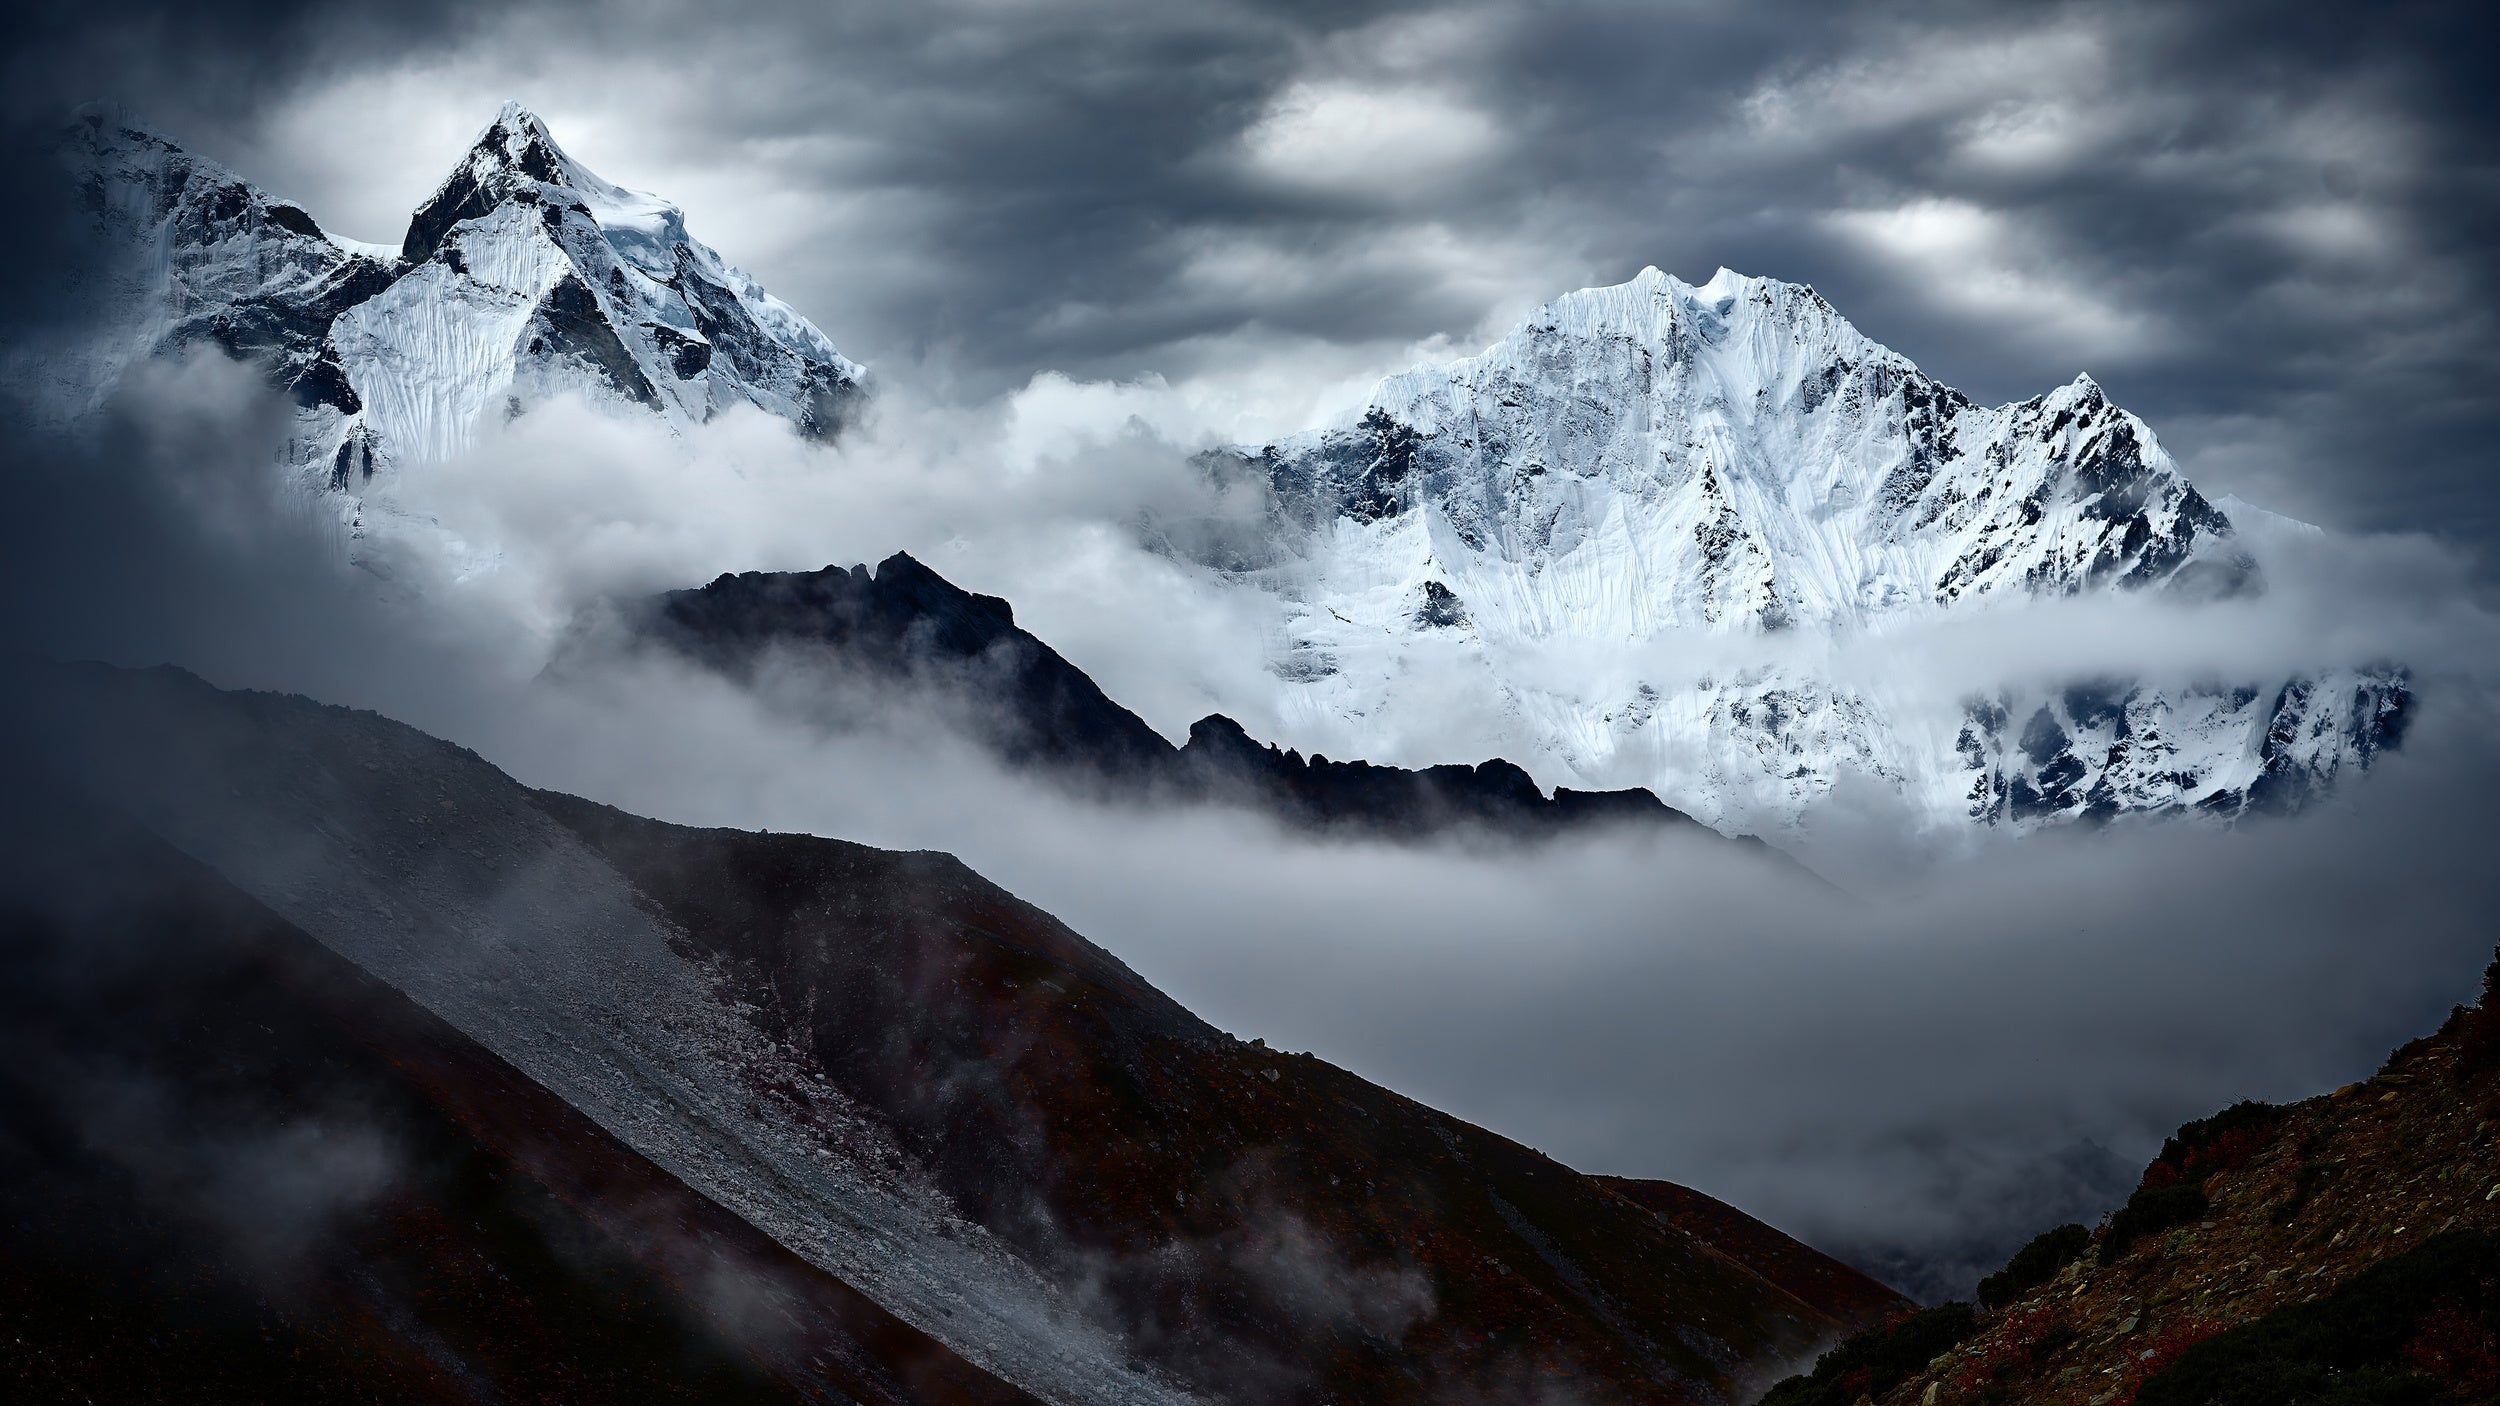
(524, 277)
(1637, 529)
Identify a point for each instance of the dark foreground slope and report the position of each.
(2339, 1251)
(1811, 1275)
(238, 1169)
(933, 1094)
(903, 635)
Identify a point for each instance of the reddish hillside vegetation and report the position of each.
(2344, 1249)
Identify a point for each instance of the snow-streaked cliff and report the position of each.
(1553, 533)
(523, 276)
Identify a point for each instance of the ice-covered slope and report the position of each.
(196, 254)
(1552, 533)
(523, 276)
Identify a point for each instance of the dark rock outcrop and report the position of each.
(905, 628)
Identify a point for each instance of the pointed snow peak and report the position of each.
(2083, 393)
(1724, 283)
(517, 156)
(515, 117)
(512, 153)
(519, 141)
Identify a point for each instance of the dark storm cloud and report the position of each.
(197, 63)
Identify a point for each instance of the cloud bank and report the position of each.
(1958, 1048)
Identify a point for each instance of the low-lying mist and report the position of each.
(1970, 1038)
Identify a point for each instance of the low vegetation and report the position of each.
(1877, 1360)
(2422, 1327)
(2034, 1264)
(2150, 1211)
(2340, 1251)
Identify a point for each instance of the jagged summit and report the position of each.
(1815, 474)
(523, 276)
(1543, 525)
(902, 637)
(514, 152)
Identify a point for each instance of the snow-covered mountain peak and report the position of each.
(516, 153)
(524, 276)
(1767, 464)
(1637, 466)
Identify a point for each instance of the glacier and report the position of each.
(1620, 536)
(522, 277)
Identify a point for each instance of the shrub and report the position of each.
(2457, 1348)
(1877, 1360)
(2478, 1038)
(2150, 1211)
(2021, 1340)
(2165, 1351)
(2219, 1143)
(2034, 1264)
(2421, 1327)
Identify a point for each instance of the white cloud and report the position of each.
(1982, 266)
(2009, 91)
(1369, 144)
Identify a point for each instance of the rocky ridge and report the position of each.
(903, 638)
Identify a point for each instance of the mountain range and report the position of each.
(903, 638)
(796, 1116)
(1616, 549)
(336, 1062)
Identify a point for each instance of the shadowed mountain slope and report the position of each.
(934, 1093)
(224, 1144)
(1783, 1259)
(903, 635)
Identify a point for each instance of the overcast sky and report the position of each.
(2268, 228)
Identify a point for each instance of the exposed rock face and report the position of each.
(2097, 750)
(904, 637)
(936, 1095)
(524, 276)
(903, 633)
(216, 261)
(1640, 467)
